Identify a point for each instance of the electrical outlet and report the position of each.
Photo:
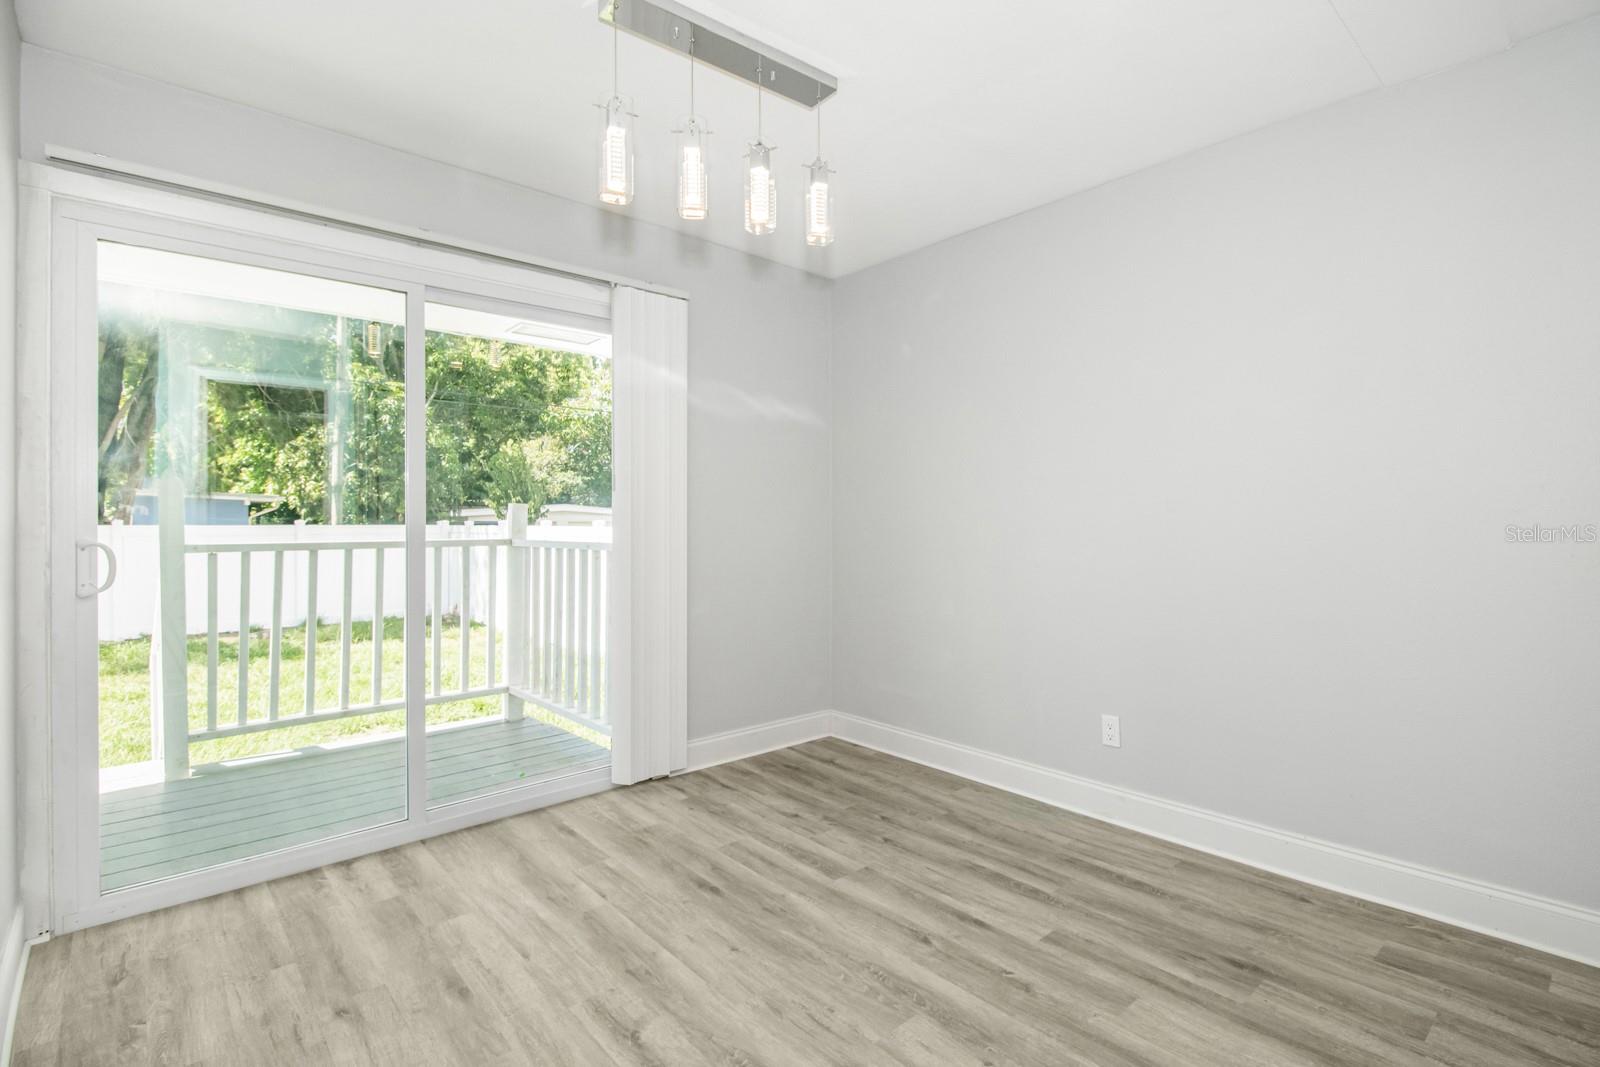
(1111, 731)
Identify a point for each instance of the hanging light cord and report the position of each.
(614, 49)
(691, 75)
(759, 84)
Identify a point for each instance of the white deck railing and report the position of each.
(539, 594)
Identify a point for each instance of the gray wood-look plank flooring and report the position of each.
(817, 905)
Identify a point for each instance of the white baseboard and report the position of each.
(13, 961)
(1548, 925)
(753, 740)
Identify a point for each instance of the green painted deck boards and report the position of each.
(223, 813)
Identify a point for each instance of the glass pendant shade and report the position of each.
(819, 205)
(760, 190)
(616, 153)
(694, 180)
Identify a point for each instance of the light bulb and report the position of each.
(694, 182)
(819, 205)
(616, 154)
(760, 190)
(374, 339)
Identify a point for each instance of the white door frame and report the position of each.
(62, 215)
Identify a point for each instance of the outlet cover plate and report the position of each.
(1111, 731)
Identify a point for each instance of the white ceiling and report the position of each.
(949, 115)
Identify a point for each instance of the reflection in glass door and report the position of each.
(250, 444)
(518, 549)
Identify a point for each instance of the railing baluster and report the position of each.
(539, 632)
(541, 611)
(517, 574)
(311, 631)
(575, 687)
(552, 630)
(580, 624)
(590, 643)
(211, 640)
(602, 709)
(574, 627)
(593, 682)
(275, 652)
(535, 618)
(601, 611)
(344, 633)
(464, 614)
(536, 621)
(377, 625)
(558, 628)
(489, 628)
(244, 637)
(569, 579)
(438, 617)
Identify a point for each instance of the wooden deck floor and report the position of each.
(228, 812)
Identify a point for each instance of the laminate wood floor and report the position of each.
(818, 905)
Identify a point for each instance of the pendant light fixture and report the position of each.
(616, 142)
(760, 184)
(694, 179)
(719, 47)
(819, 195)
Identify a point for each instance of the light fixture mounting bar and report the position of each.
(673, 26)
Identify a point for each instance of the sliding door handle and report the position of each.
(88, 586)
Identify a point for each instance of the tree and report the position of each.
(129, 370)
(509, 422)
(528, 472)
(505, 422)
(272, 440)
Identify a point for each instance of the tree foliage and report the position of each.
(129, 372)
(505, 423)
(510, 423)
(271, 440)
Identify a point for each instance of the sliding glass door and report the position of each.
(342, 549)
(250, 489)
(518, 542)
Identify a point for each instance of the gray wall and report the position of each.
(759, 492)
(8, 484)
(1229, 447)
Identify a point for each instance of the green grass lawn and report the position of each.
(125, 690)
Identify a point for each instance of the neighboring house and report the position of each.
(551, 515)
(574, 515)
(210, 509)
